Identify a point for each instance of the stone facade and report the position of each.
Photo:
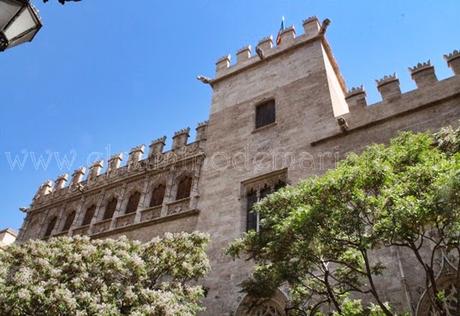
(7, 237)
(204, 185)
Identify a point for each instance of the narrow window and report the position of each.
(133, 202)
(265, 113)
(183, 188)
(68, 221)
(50, 227)
(89, 214)
(110, 208)
(158, 195)
(251, 218)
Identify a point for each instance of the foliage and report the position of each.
(318, 236)
(80, 276)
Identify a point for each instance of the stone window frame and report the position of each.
(108, 202)
(129, 208)
(123, 193)
(155, 181)
(50, 226)
(258, 184)
(67, 221)
(152, 192)
(258, 118)
(249, 306)
(177, 180)
(86, 220)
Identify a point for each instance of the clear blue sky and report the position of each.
(109, 75)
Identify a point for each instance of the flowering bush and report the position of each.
(80, 276)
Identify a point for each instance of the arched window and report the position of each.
(89, 214)
(158, 195)
(133, 202)
(110, 208)
(272, 307)
(183, 188)
(50, 227)
(68, 221)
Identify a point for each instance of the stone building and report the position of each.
(277, 117)
(7, 237)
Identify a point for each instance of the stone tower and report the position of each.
(301, 78)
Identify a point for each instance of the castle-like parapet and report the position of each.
(356, 98)
(135, 155)
(180, 138)
(156, 146)
(311, 26)
(201, 131)
(423, 74)
(287, 36)
(45, 189)
(61, 181)
(429, 91)
(114, 163)
(266, 48)
(136, 164)
(77, 176)
(95, 170)
(453, 61)
(389, 87)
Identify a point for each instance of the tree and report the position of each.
(318, 236)
(80, 276)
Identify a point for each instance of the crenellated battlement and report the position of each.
(135, 165)
(423, 73)
(243, 54)
(266, 48)
(356, 98)
(453, 61)
(61, 181)
(420, 67)
(266, 43)
(394, 102)
(386, 79)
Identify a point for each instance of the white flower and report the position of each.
(24, 294)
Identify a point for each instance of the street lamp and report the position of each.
(19, 22)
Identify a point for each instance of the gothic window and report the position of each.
(158, 195)
(133, 202)
(254, 195)
(50, 227)
(110, 208)
(272, 307)
(183, 188)
(89, 214)
(68, 221)
(265, 113)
